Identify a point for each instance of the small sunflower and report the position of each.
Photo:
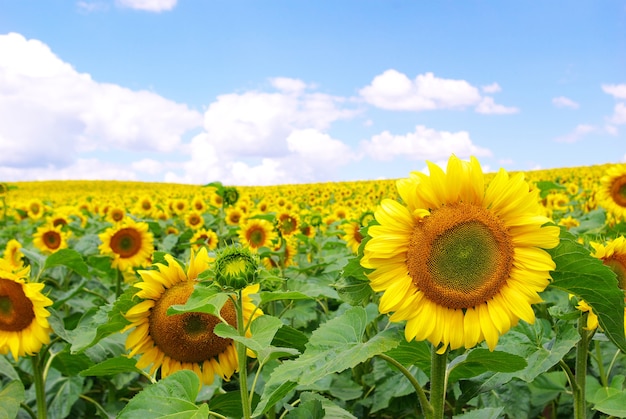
(612, 255)
(49, 238)
(129, 243)
(352, 235)
(459, 262)
(116, 214)
(182, 341)
(234, 215)
(612, 192)
(257, 233)
(288, 223)
(194, 220)
(204, 237)
(24, 326)
(13, 255)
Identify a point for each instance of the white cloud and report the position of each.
(80, 169)
(491, 88)
(422, 144)
(488, 106)
(50, 113)
(616, 90)
(577, 134)
(619, 114)
(287, 84)
(393, 90)
(564, 102)
(147, 5)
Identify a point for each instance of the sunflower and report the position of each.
(612, 255)
(234, 215)
(612, 192)
(194, 220)
(13, 255)
(24, 326)
(116, 214)
(459, 262)
(35, 208)
(352, 235)
(49, 238)
(288, 223)
(204, 237)
(182, 341)
(129, 242)
(257, 233)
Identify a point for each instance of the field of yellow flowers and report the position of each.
(452, 293)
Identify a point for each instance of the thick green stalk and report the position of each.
(40, 389)
(582, 352)
(438, 382)
(427, 409)
(242, 357)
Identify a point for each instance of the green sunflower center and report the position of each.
(16, 310)
(256, 236)
(460, 256)
(187, 337)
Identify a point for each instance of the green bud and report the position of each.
(236, 267)
(230, 195)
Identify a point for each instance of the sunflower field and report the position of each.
(452, 293)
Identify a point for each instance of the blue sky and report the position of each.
(273, 92)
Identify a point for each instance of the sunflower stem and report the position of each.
(40, 389)
(582, 352)
(118, 284)
(438, 382)
(427, 409)
(242, 358)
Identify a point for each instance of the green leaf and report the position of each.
(111, 366)
(7, 369)
(62, 393)
(266, 297)
(354, 291)
(547, 186)
(311, 409)
(482, 360)
(335, 346)
(610, 400)
(484, 413)
(289, 337)
(174, 395)
(71, 364)
(330, 409)
(70, 258)
(229, 404)
(591, 222)
(11, 395)
(203, 299)
(547, 387)
(579, 273)
(416, 353)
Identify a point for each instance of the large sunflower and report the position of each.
(612, 192)
(459, 262)
(49, 238)
(24, 324)
(129, 243)
(182, 341)
(613, 255)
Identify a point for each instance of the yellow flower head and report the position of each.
(460, 262)
(49, 238)
(129, 243)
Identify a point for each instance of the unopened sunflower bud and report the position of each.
(236, 267)
(230, 195)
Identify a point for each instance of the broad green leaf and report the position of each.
(62, 393)
(610, 400)
(7, 369)
(266, 297)
(174, 395)
(111, 366)
(229, 403)
(106, 320)
(354, 291)
(482, 360)
(203, 299)
(11, 395)
(69, 258)
(310, 409)
(71, 364)
(330, 408)
(547, 387)
(590, 223)
(579, 273)
(546, 186)
(416, 353)
(484, 413)
(335, 346)
(289, 337)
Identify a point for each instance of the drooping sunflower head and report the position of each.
(12, 254)
(24, 326)
(129, 243)
(352, 235)
(460, 262)
(182, 341)
(236, 267)
(612, 192)
(49, 238)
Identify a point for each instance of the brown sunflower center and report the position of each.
(256, 236)
(460, 256)
(618, 191)
(16, 310)
(52, 239)
(194, 219)
(126, 242)
(187, 337)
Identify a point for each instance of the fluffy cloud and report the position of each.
(50, 113)
(491, 88)
(619, 114)
(393, 90)
(564, 102)
(616, 90)
(147, 5)
(422, 144)
(577, 134)
(80, 169)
